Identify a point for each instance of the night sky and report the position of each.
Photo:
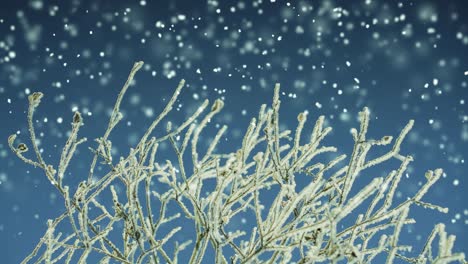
(402, 59)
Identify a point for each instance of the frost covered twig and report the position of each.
(317, 222)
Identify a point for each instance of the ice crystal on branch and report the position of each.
(302, 224)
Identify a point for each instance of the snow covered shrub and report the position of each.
(323, 221)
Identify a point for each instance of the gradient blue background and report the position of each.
(407, 60)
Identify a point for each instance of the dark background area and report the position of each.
(403, 59)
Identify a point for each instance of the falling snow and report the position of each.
(403, 59)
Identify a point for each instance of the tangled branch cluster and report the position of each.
(304, 224)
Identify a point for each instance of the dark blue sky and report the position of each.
(403, 59)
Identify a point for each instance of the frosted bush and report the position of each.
(318, 222)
